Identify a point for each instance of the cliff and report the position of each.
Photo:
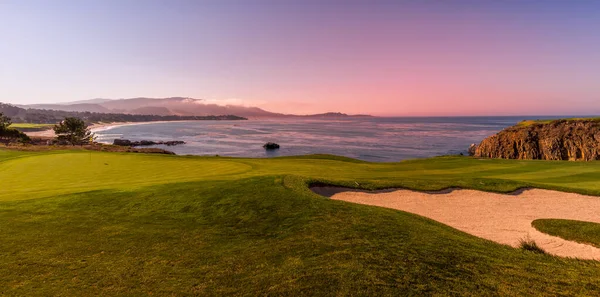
(576, 139)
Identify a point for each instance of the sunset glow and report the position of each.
(408, 58)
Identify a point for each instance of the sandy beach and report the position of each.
(502, 218)
(93, 127)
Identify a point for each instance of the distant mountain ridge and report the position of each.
(49, 116)
(179, 106)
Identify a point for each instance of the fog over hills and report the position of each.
(164, 106)
(180, 106)
(79, 107)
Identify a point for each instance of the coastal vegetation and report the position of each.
(96, 223)
(9, 134)
(5, 122)
(44, 116)
(73, 131)
(70, 131)
(550, 121)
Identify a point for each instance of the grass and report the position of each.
(583, 232)
(530, 245)
(29, 127)
(86, 170)
(77, 223)
(526, 123)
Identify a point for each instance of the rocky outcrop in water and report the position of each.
(555, 140)
(271, 146)
(126, 142)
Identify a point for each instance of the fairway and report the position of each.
(66, 172)
(54, 174)
(94, 223)
(30, 126)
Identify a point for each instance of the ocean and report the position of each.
(370, 139)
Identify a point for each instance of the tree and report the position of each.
(73, 131)
(12, 135)
(9, 134)
(5, 122)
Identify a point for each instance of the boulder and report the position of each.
(122, 142)
(145, 143)
(173, 142)
(126, 142)
(271, 146)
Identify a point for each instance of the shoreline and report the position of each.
(97, 127)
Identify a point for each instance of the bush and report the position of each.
(530, 245)
(10, 135)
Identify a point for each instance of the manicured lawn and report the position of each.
(584, 232)
(30, 125)
(90, 223)
(58, 173)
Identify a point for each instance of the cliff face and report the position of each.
(556, 140)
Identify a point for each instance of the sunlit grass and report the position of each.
(584, 232)
(30, 125)
(526, 123)
(90, 223)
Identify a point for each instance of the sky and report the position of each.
(405, 58)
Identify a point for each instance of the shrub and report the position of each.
(529, 245)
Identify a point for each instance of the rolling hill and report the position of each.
(164, 106)
(53, 116)
(179, 106)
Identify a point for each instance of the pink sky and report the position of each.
(384, 58)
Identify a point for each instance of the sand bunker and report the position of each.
(502, 218)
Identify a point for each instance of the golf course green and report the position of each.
(86, 223)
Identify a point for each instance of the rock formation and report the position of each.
(271, 146)
(472, 149)
(126, 142)
(555, 140)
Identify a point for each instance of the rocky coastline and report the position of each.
(127, 142)
(573, 140)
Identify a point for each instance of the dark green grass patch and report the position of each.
(583, 232)
(257, 236)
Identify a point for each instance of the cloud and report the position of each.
(232, 101)
(293, 107)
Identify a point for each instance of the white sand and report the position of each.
(505, 219)
(93, 127)
(45, 133)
